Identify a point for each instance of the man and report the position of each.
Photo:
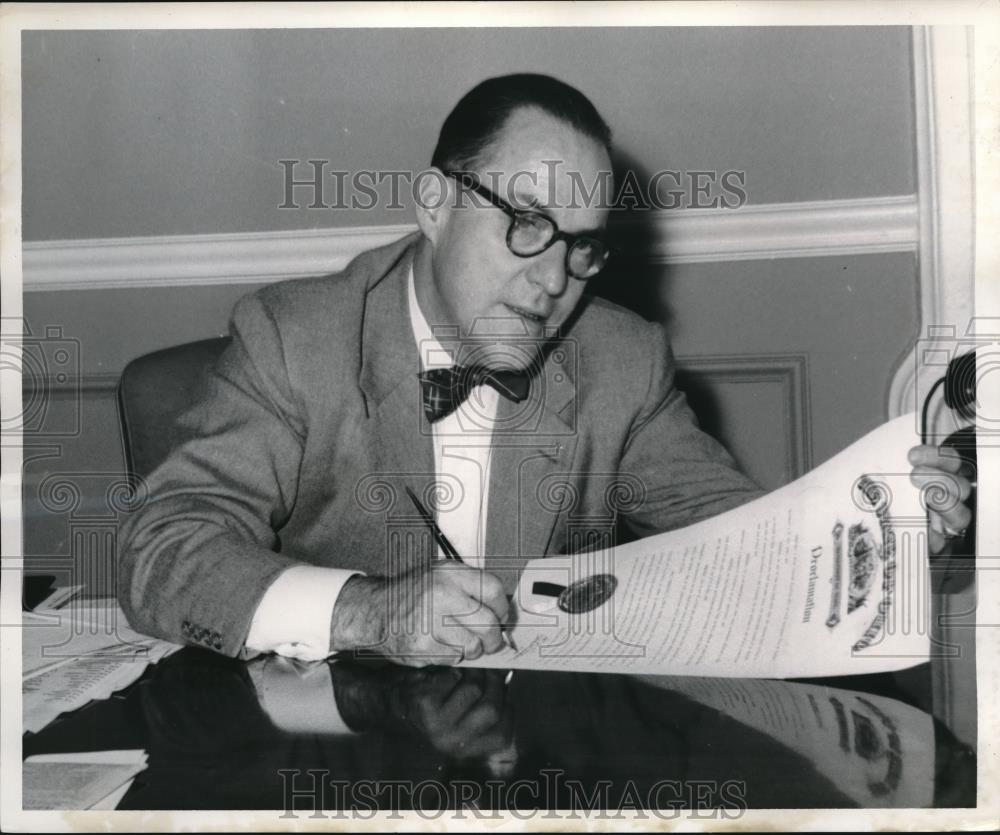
(283, 525)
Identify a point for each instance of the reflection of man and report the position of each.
(270, 529)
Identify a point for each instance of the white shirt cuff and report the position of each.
(297, 698)
(293, 617)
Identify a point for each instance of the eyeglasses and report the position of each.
(531, 233)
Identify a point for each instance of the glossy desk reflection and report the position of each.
(222, 734)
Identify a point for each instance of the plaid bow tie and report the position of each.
(445, 388)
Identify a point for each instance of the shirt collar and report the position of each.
(432, 353)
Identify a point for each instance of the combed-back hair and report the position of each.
(480, 116)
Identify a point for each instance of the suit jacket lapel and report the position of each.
(533, 449)
(402, 445)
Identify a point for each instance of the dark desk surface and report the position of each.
(440, 738)
(383, 736)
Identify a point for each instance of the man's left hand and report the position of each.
(947, 482)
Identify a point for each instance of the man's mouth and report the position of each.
(531, 315)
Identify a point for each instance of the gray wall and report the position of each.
(173, 132)
(162, 133)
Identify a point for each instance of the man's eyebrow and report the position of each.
(531, 202)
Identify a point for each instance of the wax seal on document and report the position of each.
(580, 595)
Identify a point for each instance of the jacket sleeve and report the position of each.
(198, 555)
(684, 474)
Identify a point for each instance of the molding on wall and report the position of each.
(197, 260)
(790, 370)
(943, 108)
(786, 230)
(675, 236)
(94, 382)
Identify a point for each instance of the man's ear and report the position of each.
(433, 193)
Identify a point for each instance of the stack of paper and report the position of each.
(82, 652)
(88, 780)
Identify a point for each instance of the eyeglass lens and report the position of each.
(530, 234)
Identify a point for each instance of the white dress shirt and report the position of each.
(293, 617)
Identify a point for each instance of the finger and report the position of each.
(439, 656)
(461, 700)
(936, 541)
(483, 711)
(942, 458)
(436, 648)
(486, 629)
(459, 642)
(473, 649)
(487, 589)
(949, 524)
(941, 491)
(481, 718)
(485, 744)
(439, 684)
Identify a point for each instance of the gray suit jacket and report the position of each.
(311, 426)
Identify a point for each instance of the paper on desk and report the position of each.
(78, 654)
(825, 576)
(86, 780)
(53, 637)
(60, 597)
(876, 750)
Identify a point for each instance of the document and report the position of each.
(825, 576)
(74, 655)
(87, 780)
(51, 638)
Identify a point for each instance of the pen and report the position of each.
(449, 550)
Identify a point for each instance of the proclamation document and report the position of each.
(825, 576)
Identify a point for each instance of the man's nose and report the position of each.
(549, 269)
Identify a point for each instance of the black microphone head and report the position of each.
(960, 385)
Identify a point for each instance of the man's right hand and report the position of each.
(437, 614)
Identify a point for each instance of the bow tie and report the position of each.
(444, 389)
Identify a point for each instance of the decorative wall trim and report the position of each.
(786, 230)
(790, 370)
(777, 230)
(97, 382)
(196, 260)
(943, 108)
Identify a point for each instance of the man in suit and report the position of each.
(463, 362)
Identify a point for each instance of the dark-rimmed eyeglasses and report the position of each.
(531, 233)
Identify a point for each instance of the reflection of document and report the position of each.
(88, 780)
(878, 751)
(825, 576)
